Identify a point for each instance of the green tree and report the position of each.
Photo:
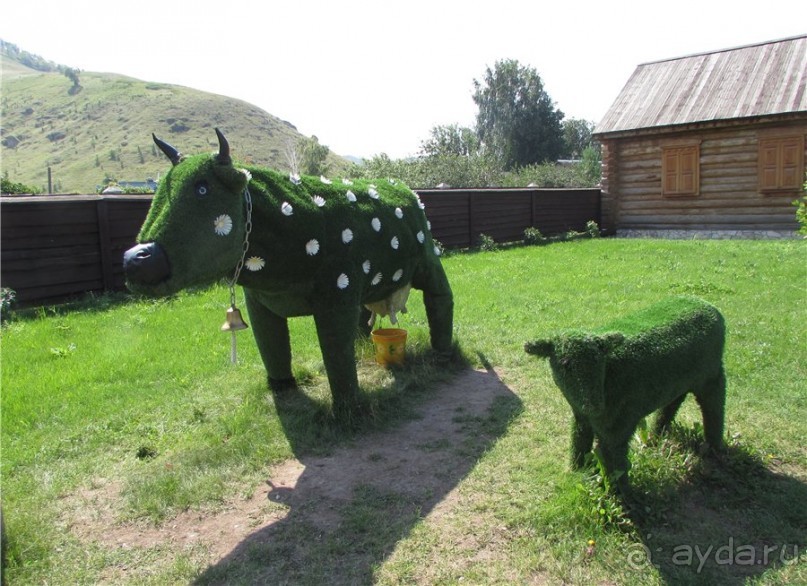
(72, 74)
(576, 136)
(8, 186)
(313, 156)
(517, 121)
(452, 139)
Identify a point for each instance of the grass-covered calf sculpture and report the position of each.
(313, 247)
(615, 376)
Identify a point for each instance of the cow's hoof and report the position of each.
(280, 385)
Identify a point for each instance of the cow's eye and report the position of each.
(201, 188)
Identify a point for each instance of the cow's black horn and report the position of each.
(224, 149)
(173, 155)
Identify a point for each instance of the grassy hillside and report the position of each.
(103, 129)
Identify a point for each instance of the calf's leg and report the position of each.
(614, 451)
(582, 440)
(666, 415)
(712, 400)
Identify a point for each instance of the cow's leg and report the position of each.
(439, 303)
(271, 333)
(582, 440)
(364, 321)
(336, 330)
(712, 400)
(666, 415)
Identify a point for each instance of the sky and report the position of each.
(368, 76)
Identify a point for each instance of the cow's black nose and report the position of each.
(146, 264)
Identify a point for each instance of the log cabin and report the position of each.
(708, 145)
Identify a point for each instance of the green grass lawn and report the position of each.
(139, 397)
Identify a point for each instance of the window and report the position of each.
(680, 170)
(781, 163)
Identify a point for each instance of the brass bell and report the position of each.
(234, 321)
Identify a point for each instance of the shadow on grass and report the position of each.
(344, 509)
(731, 520)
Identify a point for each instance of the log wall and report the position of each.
(729, 198)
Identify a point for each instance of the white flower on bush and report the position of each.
(223, 225)
(312, 247)
(254, 263)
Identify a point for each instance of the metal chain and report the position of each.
(247, 231)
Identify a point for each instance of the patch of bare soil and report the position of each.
(424, 459)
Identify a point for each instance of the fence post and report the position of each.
(105, 243)
(471, 218)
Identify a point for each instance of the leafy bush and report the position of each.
(801, 212)
(487, 243)
(8, 186)
(460, 171)
(592, 229)
(533, 235)
(7, 298)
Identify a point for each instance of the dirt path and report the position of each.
(395, 477)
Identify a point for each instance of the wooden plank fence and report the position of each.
(56, 247)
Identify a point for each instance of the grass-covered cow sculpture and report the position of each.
(650, 360)
(314, 246)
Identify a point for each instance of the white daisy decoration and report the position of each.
(421, 237)
(365, 266)
(376, 280)
(399, 213)
(437, 250)
(347, 181)
(312, 247)
(318, 200)
(421, 205)
(376, 224)
(325, 180)
(351, 197)
(342, 281)
(247, 174)
(295, 178)
(373, 192)
(347, 235)
(254, 263)
(286, 209)
(223, 225)
(394, 243)
(428, 224)
(392, 181)
(397, 275)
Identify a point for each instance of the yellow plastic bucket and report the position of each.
(390, 346)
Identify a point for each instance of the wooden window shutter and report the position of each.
(680, 169)
(792, 153)
(781, 163)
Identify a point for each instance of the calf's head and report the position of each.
(194, 231)
(578, 362)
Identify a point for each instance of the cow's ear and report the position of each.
(540, 348)
(611, 340)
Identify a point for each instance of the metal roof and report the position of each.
(754, 80)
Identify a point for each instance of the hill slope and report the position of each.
(102, 130)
